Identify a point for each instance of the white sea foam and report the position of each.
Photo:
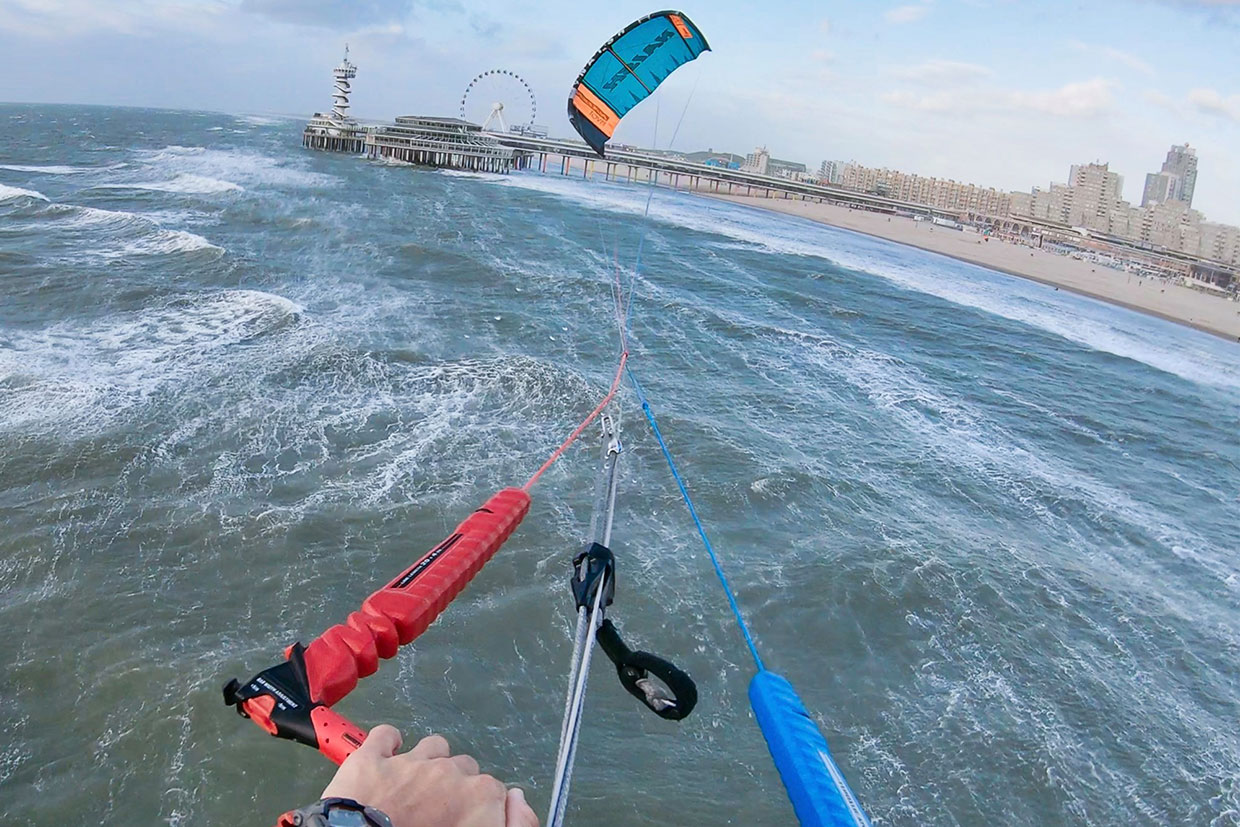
(186, 183)
(242, 169)
(49, 169)
(267, 120)
(89, 374)
(119, 233)
(8, 193)
(73, 215)
(169, 242)
(464, 173)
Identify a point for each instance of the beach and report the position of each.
(1173, 302)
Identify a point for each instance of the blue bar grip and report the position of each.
(820, 796)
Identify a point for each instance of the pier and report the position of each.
(439, 142)
(450, 143)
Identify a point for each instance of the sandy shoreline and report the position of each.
(1182, 305)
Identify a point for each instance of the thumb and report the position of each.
(381, 742)
(517, 812)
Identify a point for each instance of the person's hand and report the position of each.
(426, 786)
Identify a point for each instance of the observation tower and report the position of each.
(343, 73)
(336, 130)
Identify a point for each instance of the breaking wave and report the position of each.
(8, 193)
(194, 184)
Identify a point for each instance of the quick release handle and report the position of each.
(293, 699)
(338, 737)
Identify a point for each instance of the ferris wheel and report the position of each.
(500, 100)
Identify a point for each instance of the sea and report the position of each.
(988, 529)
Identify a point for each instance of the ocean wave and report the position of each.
(268, 120)
(464, 173)
(74, 215)
(186, 183)
(8, 193)
(241, 168)
(170, 242)
(118, 233)
(49, 169)
(90, 374)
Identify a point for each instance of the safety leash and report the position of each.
(665, 689)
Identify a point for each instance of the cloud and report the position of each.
(1226, 12)
(57, 19)
(1160, 99)
(338, 14)
(1212, 102)
(938, 72)
(1084, 98)
(1127, 59)
(906, 14)
(1075, 100)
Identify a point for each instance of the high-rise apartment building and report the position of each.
(1094, 191)
(1177, 179)
(829, 172)
(757, 161)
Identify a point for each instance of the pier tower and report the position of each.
(343, 73)
(336, 130)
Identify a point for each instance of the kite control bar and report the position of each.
(293, 699)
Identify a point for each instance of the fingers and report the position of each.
(466, 764)
(383, 741)
(517, 813)
(432, 746)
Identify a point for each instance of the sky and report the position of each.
(1003, 93)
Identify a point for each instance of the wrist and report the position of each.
(335, 812)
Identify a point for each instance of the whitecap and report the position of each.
(169, 242)
(235, 166)
(112, 234)
(8, 193)
(187, 184)
(462, 173)
(49, 169)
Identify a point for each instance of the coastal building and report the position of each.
(794, 170)
(1092, 200)
(439, 142)
(829, 172)
(1219, 242)
(757, 161)
(942, 194)
(1176, 181)
(1093, 193)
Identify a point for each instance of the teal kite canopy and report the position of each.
(627, 69)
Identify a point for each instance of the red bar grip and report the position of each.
(338, 736)
(401, 610)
